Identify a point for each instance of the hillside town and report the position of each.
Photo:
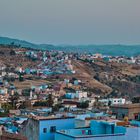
(55, 95)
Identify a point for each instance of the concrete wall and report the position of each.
(106, 128)
(132, 112)
(121, 112)
(31, 130)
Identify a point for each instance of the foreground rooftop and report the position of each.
(39, 118)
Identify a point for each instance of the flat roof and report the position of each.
(68, 134)
(127, 106)
(41, 118)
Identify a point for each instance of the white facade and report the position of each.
(113, 101)
(80, 95)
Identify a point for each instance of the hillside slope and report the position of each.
(109, 79)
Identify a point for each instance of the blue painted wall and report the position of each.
(60, 124)
(106, 128)
(131, 134)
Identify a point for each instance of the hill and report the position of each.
(23, 43)
(8, 41)
(114, 50)
(109, 79)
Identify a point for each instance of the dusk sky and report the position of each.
(71, 21)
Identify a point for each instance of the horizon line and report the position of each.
(66, 44)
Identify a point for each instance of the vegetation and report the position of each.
(135, 79)
(69, 90)
(83, 104)
(48, 102)
(26, 92)
(40, 103)
(12, 52)
(6, 107)
(21, 77)
(13, 99)
(23, 105)
(56, 107)
(136, 100)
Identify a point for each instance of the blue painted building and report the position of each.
(9, 123)
(44, 128)
(76, 82)
(52, 128)
(100, 131)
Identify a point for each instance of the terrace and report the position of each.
(96, 130)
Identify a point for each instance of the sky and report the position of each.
(71, 21)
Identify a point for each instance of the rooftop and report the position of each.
(40, 118)
(126, 106)
(6, 135)
(97, 129)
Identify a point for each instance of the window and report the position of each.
(53, 129)
(123, 115)
(136, 116)
(89, 132)
(44, 130)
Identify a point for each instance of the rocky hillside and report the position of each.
(13, 56)
(110, 79)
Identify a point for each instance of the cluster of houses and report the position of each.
(107, 58)
(48, 63)
(120, 120)
(72, 126)
(62, 109)
(52, 62)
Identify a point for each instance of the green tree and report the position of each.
(50, 101)
(83, 104)
(23, 105)
(26, 92)
(41, 103)
(12, 43)
(6, 107)
(136, 100)
(13, 100)
(21, 78)
(109, 103)
(56, 107)
(12, 52)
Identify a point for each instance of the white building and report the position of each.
(113, 101)
(78, 95)
(81, 94)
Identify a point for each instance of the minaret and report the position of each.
(12, 92)
(31, 94)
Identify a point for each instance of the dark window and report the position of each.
(136, 116)
(44, 130)
(53, 129)
(112, 129)
(123, 115)
(89, 132)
